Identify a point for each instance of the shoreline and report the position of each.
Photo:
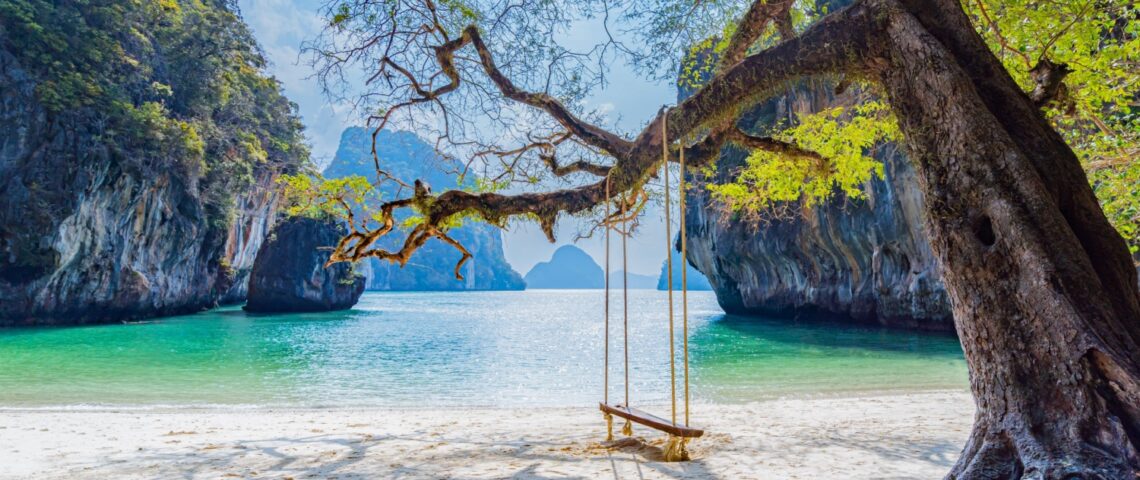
(890, 435)
(287, 408)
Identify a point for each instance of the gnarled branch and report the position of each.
(577, 166)
(752, 25)
(772, 145)
(591, 134)
(832, 46)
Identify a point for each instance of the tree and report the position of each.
(1042, 287)
(1079, 59)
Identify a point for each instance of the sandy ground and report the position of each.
(898, 436)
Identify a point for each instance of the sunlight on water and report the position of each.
(459, 349)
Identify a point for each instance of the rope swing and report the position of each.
(679, 434)
(606, 382)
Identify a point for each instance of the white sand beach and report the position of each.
(881, 437)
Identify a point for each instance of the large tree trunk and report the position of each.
(1042, 288)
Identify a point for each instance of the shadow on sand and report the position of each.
(354, 456)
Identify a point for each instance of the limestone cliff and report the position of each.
(863, 260)
(289, 274)
(137, 174)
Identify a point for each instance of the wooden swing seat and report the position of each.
(652, 421)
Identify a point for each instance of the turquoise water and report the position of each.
(457, 349)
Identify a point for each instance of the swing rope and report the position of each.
(606, 382)
(675, 449)
(669, 264)
(627, 429)
(684, 283)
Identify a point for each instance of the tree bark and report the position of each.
(1043, 293)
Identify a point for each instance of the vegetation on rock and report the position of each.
(170, 84)
(144, 140)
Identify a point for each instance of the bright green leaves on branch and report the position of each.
(340, 15)
(483, 184)
(314, 196)
(354, 199)
(843, 136)
(702, 58)
(1097, 111)
(1116, 188)
(463, 11)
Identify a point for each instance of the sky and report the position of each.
(281, 26)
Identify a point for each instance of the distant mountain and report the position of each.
(697, 280)
(637, 281)
(569, 267)
(406, 156)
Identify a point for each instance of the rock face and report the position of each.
(863, 260)
(97, 225)
(697, 280)
(407, 156)
(289, 274)
(569, 268)
(256, 210)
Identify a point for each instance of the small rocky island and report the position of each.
(289, 274)
(568, 268)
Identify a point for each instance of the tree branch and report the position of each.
(833, 45)
(590, 134)
(752, 26)
(578, 166)
(1049, 78)
(772, 145)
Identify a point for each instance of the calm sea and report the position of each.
(538, 347)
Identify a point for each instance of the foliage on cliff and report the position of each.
(168, 85)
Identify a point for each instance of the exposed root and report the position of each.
(994, 458)
(998, 457)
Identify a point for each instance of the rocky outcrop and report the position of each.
(289, 274)
(865, 260)
(99, 223)
(696, 279)
(569, 268)
(255, 212)
(407, 156)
